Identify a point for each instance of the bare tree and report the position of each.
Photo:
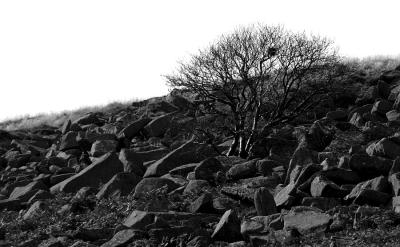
(262, 73)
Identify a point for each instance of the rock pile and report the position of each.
(342, 169)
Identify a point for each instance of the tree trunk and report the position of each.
(242, 146)
(253, 129)
(233, 147)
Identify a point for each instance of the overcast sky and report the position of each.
(61, 55)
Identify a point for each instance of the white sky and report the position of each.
(61, 55)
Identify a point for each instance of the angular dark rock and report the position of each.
(228, 228)
(102, 147)
(384, 148)
(195, 186)
(99, 172)
(371, 192)
(285, 197)
(244, 170)
(207, 169)
(203, 204)
(323, 203)
(69, 141)
(132, 162)
(147, 185)
(393, 116)
(158, 126)
(190, 152)
(26, 192)
(183, 170)
(370, 166)
(381, 107)
(264, 202)
(306, 220)
(394, 179)
(133, 128)
(322, 187)
(119, 185)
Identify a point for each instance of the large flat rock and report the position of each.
(190, 152)
(99, 172)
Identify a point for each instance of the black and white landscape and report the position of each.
(268, 137)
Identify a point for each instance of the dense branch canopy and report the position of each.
(256, 72)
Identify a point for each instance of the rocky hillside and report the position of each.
(138, 177)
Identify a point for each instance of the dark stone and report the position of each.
(370, 166)
(120, 185)
(244, 170)
(99, 172)
(147, 185)
(264, 202)
(228, 228)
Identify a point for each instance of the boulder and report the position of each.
(323, 203)
(384, 148)
(396, 204)
(264, 202)
(370, 166)
(203, 204)
(132, 161)
(318, 136)
(306, 220)
(66, 127)
(285, 197)
(133, 128)
(207, 169)
(26, 192)
(301, 157)
(367, 196)
(102, 147)
(381, 107)
(147, 185)
(99, 172)
(394, 180)
(195, 187)
(259, 225)
(158, 126)
(265, 166)
(69, 141)
(228, 228)
(341, 176)
(393, 116)
(40, 195)
(322, 187)
(183, 170)
(244, 170)
(17, 160)
(357, 120)
(119, 185)
(371, 192)
(152, 155)
(190, 152)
